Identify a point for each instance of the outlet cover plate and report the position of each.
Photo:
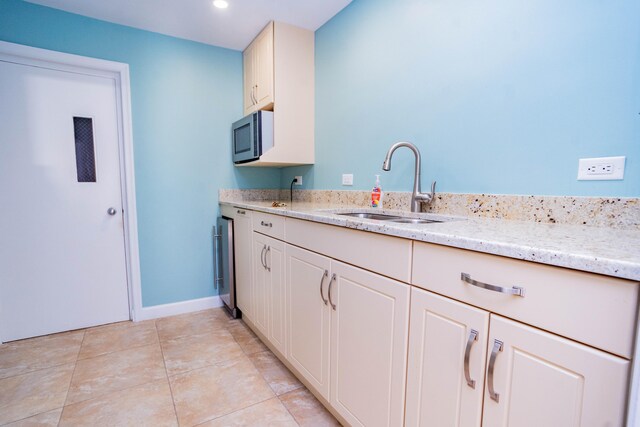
(298, 180)
(347, 179)
(601, 168)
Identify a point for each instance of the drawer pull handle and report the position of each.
(265, 258)
(333, 278)
(262, 258)
(326, 301)
(473, 336)
(241, 212)
(266, 224)
(497, 347)
(515, 290)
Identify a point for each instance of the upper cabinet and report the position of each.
(258, 72)
(279, 76)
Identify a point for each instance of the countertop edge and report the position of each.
(593, 264)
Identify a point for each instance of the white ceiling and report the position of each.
(200, 21)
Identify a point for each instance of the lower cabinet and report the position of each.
(308, 316)
(268, 289)
(533, 378)
(447, 355)
(348, 336)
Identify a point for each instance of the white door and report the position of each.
(445, 380)
(62, 259)
(535, 378)
(308, 315)
(369, 333)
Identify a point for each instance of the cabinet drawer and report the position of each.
(389, 256)
(596, 310)
(271, 225)
(234, 211)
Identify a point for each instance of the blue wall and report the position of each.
(184, 95)
(501, 96)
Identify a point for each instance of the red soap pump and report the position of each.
(376, 194)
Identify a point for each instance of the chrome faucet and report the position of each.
(418, 196)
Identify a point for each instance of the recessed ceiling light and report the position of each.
(220, 4)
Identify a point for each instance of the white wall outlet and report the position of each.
(298, 179)
(347, 179)
(601, 168)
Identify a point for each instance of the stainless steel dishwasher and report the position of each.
(224, 268)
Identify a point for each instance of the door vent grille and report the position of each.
(85, 154)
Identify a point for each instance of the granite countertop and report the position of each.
(607, 251)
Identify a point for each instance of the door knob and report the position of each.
(112, 211)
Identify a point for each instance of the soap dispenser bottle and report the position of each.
(376, 194)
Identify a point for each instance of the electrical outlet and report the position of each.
(298, 179)
(347, 179)
(601, 168)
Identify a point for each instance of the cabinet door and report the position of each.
(369, 329)
(260, 284)
(543, 380)
(263, 77)
(447, 345)
(248, 77)
(242, 244)
(274, 260)
(308, 316)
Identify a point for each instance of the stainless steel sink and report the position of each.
(389, 218)
(413, 221)
(369, 215)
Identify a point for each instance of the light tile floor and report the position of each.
(202, 369)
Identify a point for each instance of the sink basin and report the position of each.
(390, 218)
(413, 221)
(369, 215)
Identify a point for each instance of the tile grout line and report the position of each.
(233, 412)
(66, 397)
(287, 408)
(115, 351)
(274, 392)
(44, 367)
(166, 373)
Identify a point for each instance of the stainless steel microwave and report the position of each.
(252, 136)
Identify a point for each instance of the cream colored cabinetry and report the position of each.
(279, 76)
(348, 336)
(258, 72)
(533, 377)
(488, 341)
(308, 315)
(445, 379)
(268, 289)
(369, 328)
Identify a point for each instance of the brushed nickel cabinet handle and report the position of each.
(497, 347)
(514, 290)
(266, 224)
(326, 273)
(265, 258)
(473, 337)
(264, 248)
(333, 278)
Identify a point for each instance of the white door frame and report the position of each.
(119, 72)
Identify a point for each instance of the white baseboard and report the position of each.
(181, 307)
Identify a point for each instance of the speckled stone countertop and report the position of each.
(607, 251)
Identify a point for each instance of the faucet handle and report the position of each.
(433, 189)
